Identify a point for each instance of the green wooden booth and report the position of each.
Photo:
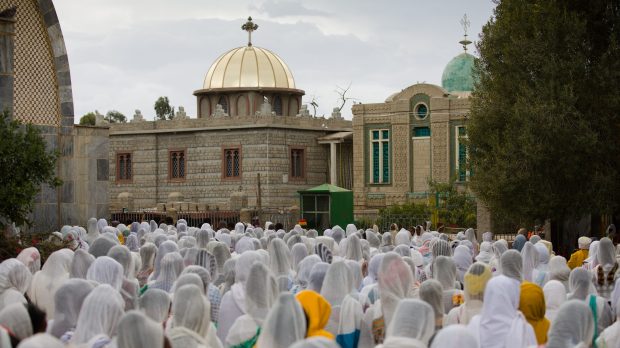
(325, 206)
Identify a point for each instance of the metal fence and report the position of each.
(213, 217)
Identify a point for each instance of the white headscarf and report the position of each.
(45, 282)
(413, 325)
(580, 284)
(164, 248)
(555, 296)
(317, 276)
(373, 269)
(31, 258)
(463, 259)
(15, 318)
(100, 314)
(68, 300)
(558, 270)
(395, 283)
(298, 253)
(402, 238)
(486, 252)
(337, 284)
(190, 318)
(573, 326)
(136, 330)
(285, 324)
(80, 264)
(170, 269)
(530, 261)
(606, 255)
(261, 292)
(155, 303)
(511, 265)
(280, 262)
(316, 342)
(500, 323)
(455, 336)
(305, 267)
(15, 280)
(41, 340)
(106, 270)
(592, 260)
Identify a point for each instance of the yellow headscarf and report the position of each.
(317, 310)
(532, 305)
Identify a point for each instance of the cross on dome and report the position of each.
(249, 26)
(465, 24)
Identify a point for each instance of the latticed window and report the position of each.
(277, 105)
(232, 163)
(461, 154)
(379, 156)
(176, 165)
(297, 163)
(123, 167)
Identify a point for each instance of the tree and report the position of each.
(27, 165)
(163, 110)
(454, 206)
(342, 96)
(544, 114)
(89, 119)
(114, 116)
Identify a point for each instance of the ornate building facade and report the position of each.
(413, 137)
(251, 140)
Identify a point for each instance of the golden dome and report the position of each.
(249, 67)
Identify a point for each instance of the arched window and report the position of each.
(223, 103)
(277, 105)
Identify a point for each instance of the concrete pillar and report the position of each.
(333, 177)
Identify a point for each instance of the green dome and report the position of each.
(458, 75)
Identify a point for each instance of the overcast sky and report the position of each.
(124, 54)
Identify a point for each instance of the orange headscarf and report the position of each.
(317, 310)
(532, 305)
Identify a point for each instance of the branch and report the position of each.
(342, 92)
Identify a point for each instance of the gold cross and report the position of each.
(249, 26)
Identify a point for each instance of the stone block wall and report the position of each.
(264, 151)
(414, 160)
(90, 169)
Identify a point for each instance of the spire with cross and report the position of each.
(465, 24)
(249, 26)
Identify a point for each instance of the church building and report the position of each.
(252, 144)
(413, 137)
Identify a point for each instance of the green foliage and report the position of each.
(545, 112)
(27, 165)
(114, 116)
(405, 216)
(163, 110)
(88, 119)
(11, 246)
(454, 207)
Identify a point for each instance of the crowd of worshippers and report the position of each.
(154, 286)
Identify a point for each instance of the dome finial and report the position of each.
(465, 24)
(249, 26)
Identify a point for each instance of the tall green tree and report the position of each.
(89, 119)
(114, 116)
(163, 110)
(26, 165)
(545, 111)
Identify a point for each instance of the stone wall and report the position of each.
(90, 168)
(265, 150)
